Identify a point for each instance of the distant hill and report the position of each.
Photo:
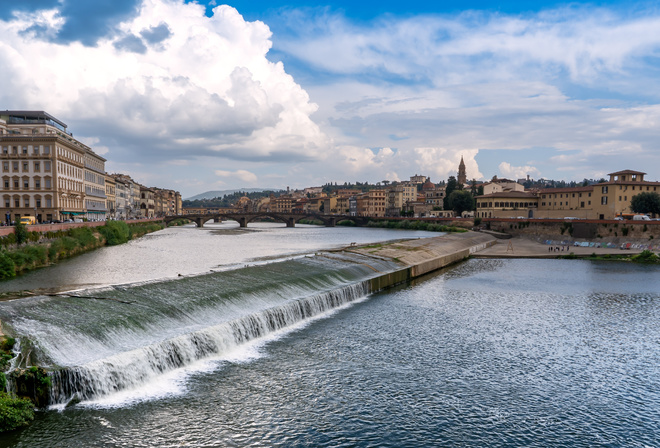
(221, 193)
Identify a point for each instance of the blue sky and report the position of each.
(199, 96)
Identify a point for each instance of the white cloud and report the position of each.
(518, 172)
(582, 41)
(243, 175)
(204, 87)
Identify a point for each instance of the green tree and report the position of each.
(452, 185)
(460, 201)
(647, 202)
(21, 232)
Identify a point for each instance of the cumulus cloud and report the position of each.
(170, 80)
(243, 175)
(518, 172)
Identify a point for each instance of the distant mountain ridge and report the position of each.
(220, 193)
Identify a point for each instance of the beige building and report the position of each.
(500, 185)
(613, 198)
(436, 197)
(506, 204)
(43, 168)
(111, 198)
(330, 205)
(147, 202)
(376, 203)
(94, 182)
(398, 196)
(559, 203)
(282, 204)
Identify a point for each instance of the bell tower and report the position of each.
(462, 177)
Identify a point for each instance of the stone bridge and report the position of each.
(290, 219)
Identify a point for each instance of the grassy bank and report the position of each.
(644, 257)
(415, 225)
(43, 249)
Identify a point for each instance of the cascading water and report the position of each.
(95, 347)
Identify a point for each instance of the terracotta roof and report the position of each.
(625, 172)
(510, 194)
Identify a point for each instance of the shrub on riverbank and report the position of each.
(415, 225)
(346, 223)
(115, 232)
(14, 412)
(311, 222)
(65, 244)
(178, 222)
(646, 256)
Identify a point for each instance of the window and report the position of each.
(47, 182)
(6, 183)
(604, 190)
(37, 184)
(26, 184)
(5, 150)
(24, 149)
(603, 200)
(35, 150)
(17, 203)
(5, 166)
(49, 202)
(16, 184)
(38, 203)
(26, 167)
(14, 166)
(37, 167)
(47, 166)
(26, 201)
(46, 149)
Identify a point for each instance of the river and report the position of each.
(501, 353)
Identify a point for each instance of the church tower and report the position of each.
(462, 177)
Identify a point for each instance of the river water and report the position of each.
(501, 353)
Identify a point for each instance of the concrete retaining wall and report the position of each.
(426, 255)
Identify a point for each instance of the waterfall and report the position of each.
(130, 369)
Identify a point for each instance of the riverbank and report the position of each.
(44, 249)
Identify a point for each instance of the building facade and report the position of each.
(43, 167)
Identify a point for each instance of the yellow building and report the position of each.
(507, 204)
(613, 198)
(559, 203)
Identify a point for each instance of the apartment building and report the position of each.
(111, 196)
(43, 167)
(398, 196)
(147, 202)
(94, 183)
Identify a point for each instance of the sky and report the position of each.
(202, 95)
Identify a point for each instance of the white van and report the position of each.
(641, 218)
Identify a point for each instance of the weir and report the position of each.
(93, 348)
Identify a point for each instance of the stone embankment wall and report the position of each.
(425, 255)
(577, 230)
